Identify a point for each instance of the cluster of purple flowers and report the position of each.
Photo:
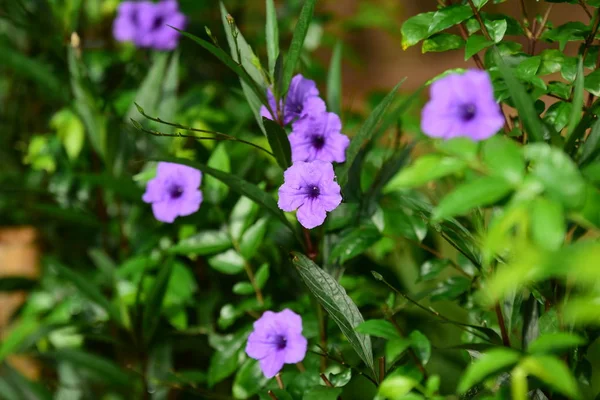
(316, 142)
(148, 24)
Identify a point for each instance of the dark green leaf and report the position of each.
(248, 380)
(364, 134)
(415, 29)
(447, 17)
(334, 80)
(442, 42)
(295, 50)
(149, 93)
(379, 328)
(278, 140)
(450, 289)
(577, 100)
(522, 101)
(477, 193)
(592, 82)
(420, 345)
(491, 362)
(322, 393)
(476, 43)
(591, 147)
(272, 32)
(355, 243)
(336, 302)
(96, 367)
(252, 239)
(154, 302)
(203, 243)
(16, 283)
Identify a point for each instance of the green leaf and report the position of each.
(450, 289)
(415, 29)
(154, 302)
(17, 334)
(203, 243)
(558, 173)
(214, 190)
(548, 226)
(257, 90)
(280, 394)
(322, 393)
(246, 57)
(241, 186)
(421, 345)
(554, 373)
(252, 239)
(522, 101)
(336, 302)
(555, 342)
(272, 32)
(167, 102)
(577, 100)
(334, 80)
(490, 363)
(364, 134)
(496, 29)
(87, 289)
(425, 169)
(591, 147)
(248, 380)
(149, 92)
(295, 50)
(442, 42)
(15, 386)
(262, 275)
(355, 243)
(226, 357)
(396, 386)
(242, 216)
(592, 82)
(243, 288)
(279, 142)
(477, 193)
(504, 158)
(230, 262)
(379, 328)
(98, 368)
(447, 17)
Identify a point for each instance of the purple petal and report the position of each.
(311, 214)
(259, 346)
(272, 364)
(292, 320)
(189, 203)
(154, 191)
(295, 349)
(164, 211)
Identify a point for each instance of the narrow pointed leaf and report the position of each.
(272, 30)
(334, 80)
(149, 92)
(152, 311)
(577, 100)
(279, 142)
(365, 133)
(338, 305)
(295, 50)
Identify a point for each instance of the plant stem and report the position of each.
(381, 369)
(541, 28)
(410, 349)
(587, 11)
(279, 381)
(481, 24)
(322, 317)
(312, 253)
(503, 331)
(272, 395)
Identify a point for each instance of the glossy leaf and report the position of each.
(338, 305)
(379, 328)
(448, 17)
(272, 34)
(322, 393)
(230, 262)
(279, 142)
(295, 50)
(415, 29)
(442, 42)
(476, 43)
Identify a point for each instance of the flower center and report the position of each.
(318, 141)
(175, 191)
(313, 191)
(158, 23)
(467, 112)
(280, 342)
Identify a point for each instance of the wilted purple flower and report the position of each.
(276, 340)
(310, 188)
(462, 105)
(319, 138)
(174, 191)
(147, 24)
(302, 99)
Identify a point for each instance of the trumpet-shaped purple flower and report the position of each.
(462, 105)
(174, 191)
(319, 138)
(276, 340)
(301, 100)
(310, 188)
(147, 24)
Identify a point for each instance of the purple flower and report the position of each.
(302, 99)
(310, 188)
(147, 24)
(319, 138)
(276, 340)
(462, 105)
(174, 191)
